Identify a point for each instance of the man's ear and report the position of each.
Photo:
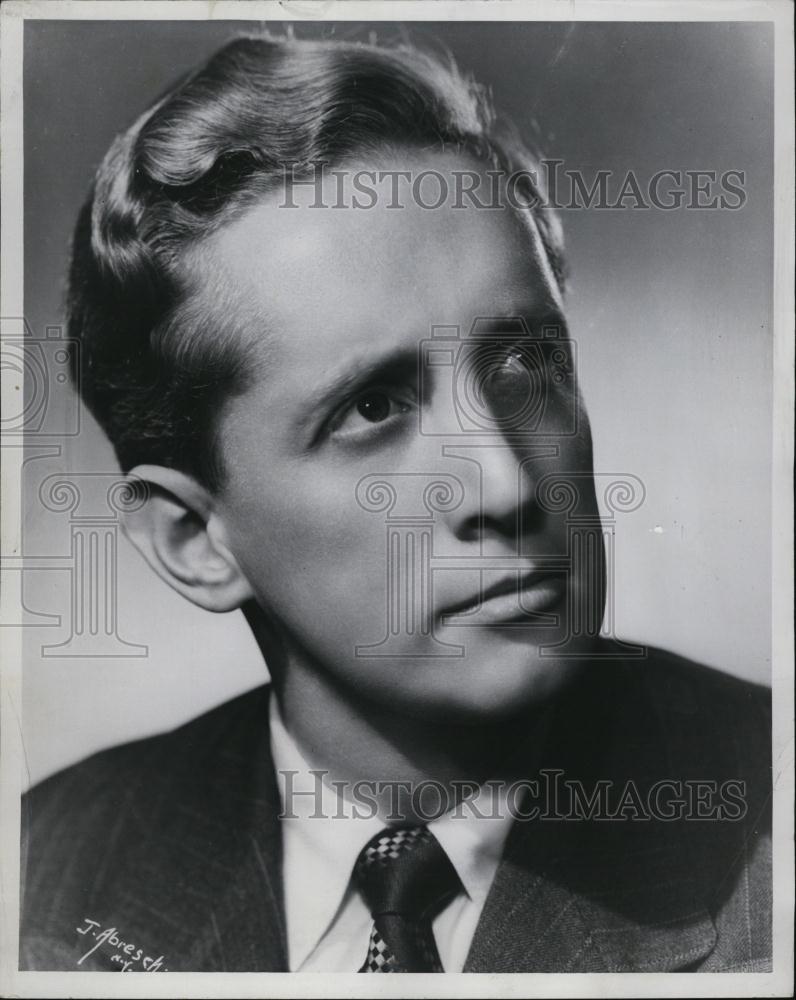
(178, 534)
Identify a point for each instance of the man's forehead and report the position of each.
(288, 267)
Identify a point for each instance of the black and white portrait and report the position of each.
(395, 441)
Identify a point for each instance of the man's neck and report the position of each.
(423, 766)
(354, 740)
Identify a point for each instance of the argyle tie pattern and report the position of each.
(405, 878)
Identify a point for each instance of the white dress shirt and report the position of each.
(328, 923)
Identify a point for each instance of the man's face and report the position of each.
(430, 601)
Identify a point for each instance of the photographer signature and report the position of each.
(126, 954)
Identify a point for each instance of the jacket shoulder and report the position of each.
(718, 734)
(724, 716)
(682, 680)
(71, 797)
(79, 825)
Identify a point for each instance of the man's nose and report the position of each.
(498, 491)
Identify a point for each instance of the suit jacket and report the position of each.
(171, 846)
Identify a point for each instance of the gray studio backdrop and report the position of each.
(671, 311)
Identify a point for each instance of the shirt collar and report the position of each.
(321, 842)
(473, 835)
(318, 849)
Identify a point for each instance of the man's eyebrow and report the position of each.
(361, 372)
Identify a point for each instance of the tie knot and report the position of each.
(404, 870)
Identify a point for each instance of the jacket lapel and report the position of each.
(245, 930)
(597, 895)
(531, 924)
(218, 838)
(624, 910)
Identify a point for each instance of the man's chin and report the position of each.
(473, 691)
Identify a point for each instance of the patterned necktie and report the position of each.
(406, 878)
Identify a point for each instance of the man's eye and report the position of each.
(374, 407)
(503, 380)
(377, 406)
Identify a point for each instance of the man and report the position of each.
(300, 370)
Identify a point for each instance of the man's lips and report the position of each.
(512, 598)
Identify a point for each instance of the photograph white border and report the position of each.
(12, 751)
